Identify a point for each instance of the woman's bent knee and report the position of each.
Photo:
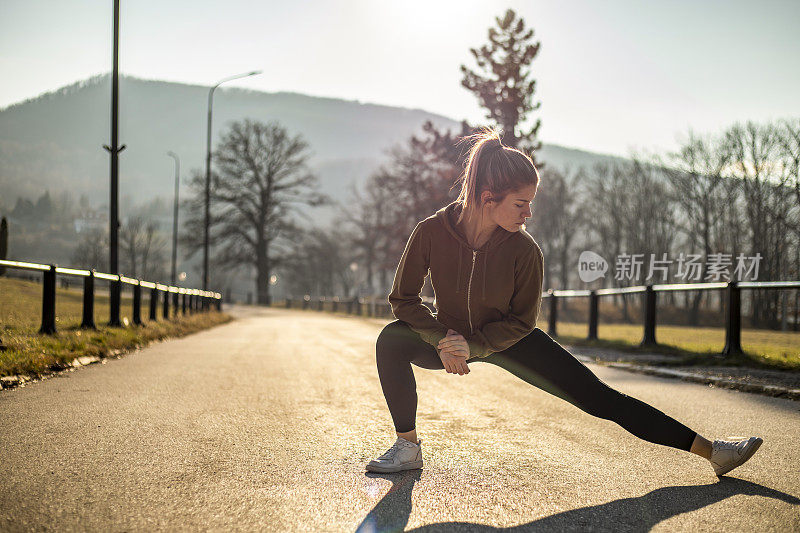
(389, 338)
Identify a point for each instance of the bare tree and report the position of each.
(695, 175)
(556, 216)
(142, 247)
(92, 250)
(753, 148)
(153, 252)
(367, 218)
(784, 208)
(319, 264)
(260, 178)
(789, 142)
(605, 187)
(130, 242)
(419, 178)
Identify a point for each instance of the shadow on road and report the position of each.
(638, 514)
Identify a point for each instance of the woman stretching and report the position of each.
(487, 273)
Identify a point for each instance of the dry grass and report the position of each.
(28, 352)
(762, 347)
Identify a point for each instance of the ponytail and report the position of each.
(495, 167)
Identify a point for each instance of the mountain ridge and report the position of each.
(53, 141)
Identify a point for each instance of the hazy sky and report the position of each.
(612, 75)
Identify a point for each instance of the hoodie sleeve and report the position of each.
(408, 280)
(525, 306)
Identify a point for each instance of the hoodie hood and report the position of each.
(448, 216)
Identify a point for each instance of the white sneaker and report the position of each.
(403, 455)
(727, 455)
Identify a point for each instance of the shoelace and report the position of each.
(729, 445)
(391, 451)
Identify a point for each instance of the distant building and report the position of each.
(91, 219)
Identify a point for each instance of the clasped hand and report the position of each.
(453, 351)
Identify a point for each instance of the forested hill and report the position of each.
(54, 141)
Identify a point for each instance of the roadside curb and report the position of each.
(20, 380)
(768, 390)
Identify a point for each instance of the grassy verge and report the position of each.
(30, 353)
(694, 346)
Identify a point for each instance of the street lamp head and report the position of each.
(255, 72)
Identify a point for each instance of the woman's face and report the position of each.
(515, 208)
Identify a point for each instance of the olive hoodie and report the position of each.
(491, 295)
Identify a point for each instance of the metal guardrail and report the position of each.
(733, 314)
(187, 300)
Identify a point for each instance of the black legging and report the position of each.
(537, 359)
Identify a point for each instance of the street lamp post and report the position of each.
(115, 287)
(208, 169)
(175, 217)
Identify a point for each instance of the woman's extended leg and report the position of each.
(543, 362)
(397, 347)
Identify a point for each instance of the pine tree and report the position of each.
(505, 87)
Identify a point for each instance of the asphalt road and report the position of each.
(266, 423)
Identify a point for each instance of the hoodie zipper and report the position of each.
(469, 290)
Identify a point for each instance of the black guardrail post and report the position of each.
(165, 313)
(183, 303)
(49, 301)
(153, 303)
(137, 303)
(592, 315)
(88, 302)
(115, 292)
(288, 303)
(553, 318)
(175, 308)
(733, 321)
(219, 304)
(649, 338)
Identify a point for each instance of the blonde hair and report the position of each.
(495, 167)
